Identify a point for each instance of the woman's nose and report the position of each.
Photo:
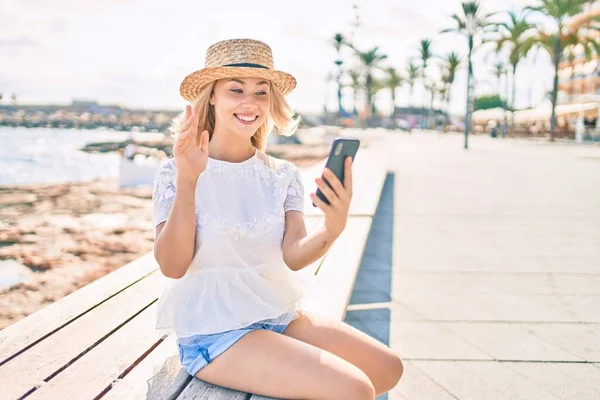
(249, 103)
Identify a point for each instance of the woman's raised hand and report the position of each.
(190, 150)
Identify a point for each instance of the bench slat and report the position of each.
(95, 371)
(67, 344)
(198, 389)
(43, 322)
(158, 376)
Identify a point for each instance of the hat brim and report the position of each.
(194, 82)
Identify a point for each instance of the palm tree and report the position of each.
(443, 91)
(412, 72)
(562, 37)
(450, 65)
(515, 34)
(498, 70)
(570, 55)
(338, 42)
(370, 61)
(356, 86)
(328, 78)
(426, 54)
(471, 23)
(393, 81)
(378, 85)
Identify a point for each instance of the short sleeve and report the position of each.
(163, 194)
(295, 193)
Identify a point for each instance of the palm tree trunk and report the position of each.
(340, 109)
(572, 79)
(393, 108)
(469, 93)
(424, 90)
(430, 115)
(512, 100)
(429, 119)
(370, 105)
(447, 106)
(556, 60)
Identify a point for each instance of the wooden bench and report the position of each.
(100, 343)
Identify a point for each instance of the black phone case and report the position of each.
(336, 162)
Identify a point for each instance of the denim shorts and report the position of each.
(195, 352)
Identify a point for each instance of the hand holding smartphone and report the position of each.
(340, 149)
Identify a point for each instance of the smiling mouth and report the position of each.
(246, 118)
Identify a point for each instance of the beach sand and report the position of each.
(68, 235)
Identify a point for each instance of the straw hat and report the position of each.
(239, 58)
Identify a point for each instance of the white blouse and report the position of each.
(237, 275)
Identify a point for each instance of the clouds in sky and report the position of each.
(136, 52)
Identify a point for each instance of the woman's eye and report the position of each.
(262, 93)
(239, 91)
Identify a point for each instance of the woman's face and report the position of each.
(241, 104)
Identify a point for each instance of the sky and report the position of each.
(136, 53)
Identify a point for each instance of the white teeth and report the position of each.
(247, 119)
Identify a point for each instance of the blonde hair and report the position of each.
(280, 116)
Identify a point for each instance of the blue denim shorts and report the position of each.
(195, 352)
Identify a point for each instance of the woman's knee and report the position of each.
(394, 372)
(351, 384)
(360, 389)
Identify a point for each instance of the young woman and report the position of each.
(230, 233)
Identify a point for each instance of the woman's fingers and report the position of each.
(335, 183)
(186, 116)
(184, 135)
(348, 176)
(180, 149)
(183, 140)
(189, 132)
(204, 142)
(319, 203)
(327, 192)
(194, 127)
(189, 122)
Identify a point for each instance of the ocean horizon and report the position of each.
(49, 155)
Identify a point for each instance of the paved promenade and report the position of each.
(483, 268)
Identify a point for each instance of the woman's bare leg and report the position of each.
(271, 364)
(381, 364)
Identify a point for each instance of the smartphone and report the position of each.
(340, 149)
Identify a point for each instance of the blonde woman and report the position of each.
(230, 233)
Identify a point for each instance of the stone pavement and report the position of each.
(483, 268)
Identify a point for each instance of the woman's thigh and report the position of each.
(381, 364)
(271, 364)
